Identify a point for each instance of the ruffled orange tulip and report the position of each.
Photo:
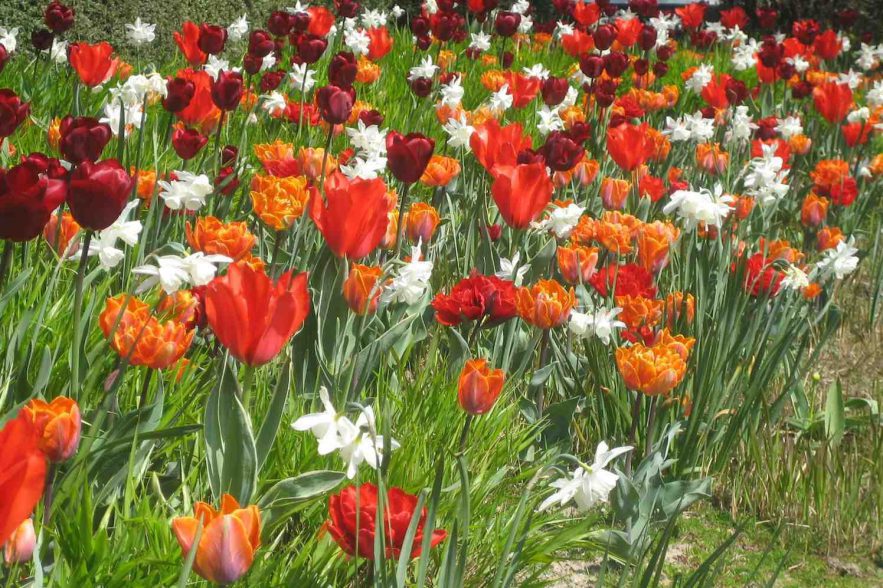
(651, 370)
(546, 304)
(479, 386)
(140, 336)
(639, 311)
(58, 425)
(440, 171)
(228, 542)
(654, 241)
(277, 158)
(361, 290)
(279, 201)
(213, 236)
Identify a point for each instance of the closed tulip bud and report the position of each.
(300, 21)
(279, 23)
(227, 90)
(335, 103)
(343, 69)
(41, 39)
(507, 60)
(641, 66)
(361, 289)
(616, 63)
(188, 142)
(479, 386)
(420, 26)
(179, 93)
(58, 425)
(660, 68)
(98, 193)
(83, 138)
(13, 112)
(506, 23)
(347, 8)
(603, 36)
(19, 548)
(227, 181)
(271, 80)
(421, 87)
(371, 117)
(647, 38)
(252, 64)
(421, 221)
(408, 155)
(58, 17)
(311, 47)
(229, 154)
(591, 65)
(664, 52)
(801, 90)
(4, 57)
(212, 38)
(554, 90)
(260, 43)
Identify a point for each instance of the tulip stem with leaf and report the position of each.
(403, 203)
(5, 261)
(78, 310)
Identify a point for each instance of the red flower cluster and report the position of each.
(488, 299)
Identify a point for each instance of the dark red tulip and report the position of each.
(260, 43)
(41, 39)
(98, 193)
(421, 87)
(212, 38)
(647, 38)
(641, 66)
(554, 90)
(347, 8)
(424, 42)
(335, 103)
(27, 198)
(227, 181)
(420, 26)
(371, 117)
(579, 132)
(188, 142)
(408, 155)
(527, 156)
(660, 68)
(591, 65)
(506, 23)
(280, 23)
(664, 52)
(229, 154)
(4, 57)
(507, 60)
(342, 70)
(58, 17)
(604, 36)
(616, 64)
(300, 21)
(806, 31)
(767, 17)
(227, 90)
(252, 64)
(561, 152)
(83, 138)
(271, 80)
(311, 47)
(12, 112)
(179, 93)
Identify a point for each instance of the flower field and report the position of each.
(471, 294)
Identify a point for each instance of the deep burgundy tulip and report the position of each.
(604, 36)
(227, 90)
(420, 26)
(506, 23)
(421, 87)
(311, 47)
(771, 52)
(12, 112)
(408, 155)
(641, 66)
(507, 60)
(423, 42)
(260, 43)
(767, 17)
(561, 152)
(647, 38)
(43, 164)
(41, 39)
(591, 65)
(212, 38)
(227, 181)
(229, 154)
(443, 26)
(736, 91)
(83, 138)
(188, 142)
(98, 193)
(371, 117)
(664, 52)
(27, 198)
(279, 23)
(179, 93)
(528, 156)
(801, 90)
(252, 64)
(4, 57)
(342, 70)
(616, 64)
(554, 90)
(58, 17)
(347, 8)
(580, 132)
(335, 103)
(300, 21)
(271, 80)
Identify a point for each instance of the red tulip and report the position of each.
(494, 145)
(58, 17)
(833, 101)
(408, 155)
(188, 42)
(380, 43)
(27, 199)
(12, 112)
(311, 47)
(554, 90)
(625, 280)
(200, 111)
(22, 473)
(98, 193)
(761, 277)
(188, 142)
(83, 138)
(93, 63)
(628, 145)
(335, 103)
(521, 192)
(260, 43)
(734, 17)
(251, 316)
(227, 90)
(522, 88)
(479, 386)
(355, 218)
(485, 298)
(321, 21)
(4, 57)
(506, 23)
(179, 93)
(342, 70)
(692, 15)
(397, 514)
(212, 38)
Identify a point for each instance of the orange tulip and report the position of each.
(440, 171)
(228, 542)
(577, 263)
(677, 306)
(421, 221)
(93, 63)
(521, 192)
(60, 240)
(639, 311)
(614, 193)
(833, 100)
(814, 210)
(711, 158)
(800, 144)
(828, 238)
(651, 370)
(58, 425)
(212, 236)
(361, 290)
(311, 159)
(679, 343)
(829, 173)
(53, 134)
(367, 72)
(479, 386)
(279, 201)
(654, 241)
(546, 304)
(145, 182)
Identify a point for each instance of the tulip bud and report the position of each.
(479, 386)
(506, 23)
(554, 90)
(335, 103)
(664, 52)
(188, 142)
(58, 423)
(19, 548)
(58, 17)
(179, 93)
(361, 289)
(371, 117)
(300, 21)
(591, 65)
(616, 63)
(641, 66)
(271, 80)
(421, 221)
(647, 38)
(98, 193)
(83, 138)
(424, 42)
(342, 70)
(421, 87)
(212, 38)
(260, 44)
(420, 26)
(227, 90)
(4, 56)
(494, 231)
(252, 63)
(41, 39)
(347, 8)
(507, 60)
(660, 68)
(408, 155)
(603, 36)
(229, 153)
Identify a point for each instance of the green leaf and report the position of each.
(231, 455)
(270, 426)
(835, 422)
(289, 495)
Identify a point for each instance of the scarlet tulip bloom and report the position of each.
(408, 155)
(13, 112)
(629, 145)
(83, 138)
(27, 199)
(354, 219)
(833, 101)
(479, 386)
(521, 192)
(495, 145)
(200, 111)
(629, 279)
(477, 298)
(93, 63)
(380, 43)
(692, 15)
(227, 90)
(253, 317)
(397, 514)
(522, 88)
(188, 42)
(58, 426)
(321, 20)
(98, 193)
(22, 473)
(761, 277)
(230, 537)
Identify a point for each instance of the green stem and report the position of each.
(464, 434)
(78, 310)
(6, 261)
(401, 225)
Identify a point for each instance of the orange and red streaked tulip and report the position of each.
(521, 192)
(22, 473)
(614, 193)
(93, 63)
(479, 386)
(230, 537)
(58, 425)
(361, 289)
(654, 241)
(141, 337)
(421, 221)
(711, 158)
(833, 100)
(354, 219)
(253, 317)
(20, 546)
(577, 263)
(59, 240)
(213, 236)
(653, 370)
(546, 304)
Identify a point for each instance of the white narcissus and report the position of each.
(587, 485)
